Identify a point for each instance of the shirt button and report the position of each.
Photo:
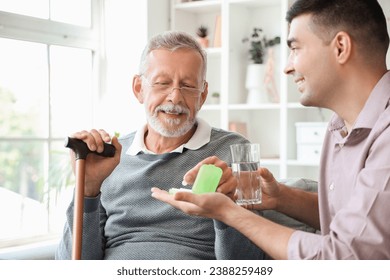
(341, 145)
(331, 186)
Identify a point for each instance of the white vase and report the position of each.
(254, 83)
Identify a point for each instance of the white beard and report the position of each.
(169, 130)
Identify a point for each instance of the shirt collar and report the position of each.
(376, 103)
(200, 138)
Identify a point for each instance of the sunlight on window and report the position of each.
(22, 211)
(24, 88)
(48, 89)
(33, 8)
(71, 89)
(37, 108)
(77, 12)
(64, 11)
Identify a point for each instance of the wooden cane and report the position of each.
(81, 151)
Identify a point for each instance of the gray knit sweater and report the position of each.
(125, 222)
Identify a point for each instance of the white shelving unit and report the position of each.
(270, 124)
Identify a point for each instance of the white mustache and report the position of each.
(171, 108)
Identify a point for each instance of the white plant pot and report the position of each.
(254, 83)
(256, 96)
(214, 100)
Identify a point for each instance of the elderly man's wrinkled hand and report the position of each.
(227, 184)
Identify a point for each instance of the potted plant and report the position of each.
(258, 44)
(202, 33)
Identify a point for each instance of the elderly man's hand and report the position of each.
(97, 168)
(227, 184)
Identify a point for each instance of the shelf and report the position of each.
(214, 51)
(270, 106)
(295, 105)
(211, 107)
(293, 162)
(208, 6)
(267, 161)
(256, 3)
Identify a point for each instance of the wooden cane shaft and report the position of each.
(78, 210)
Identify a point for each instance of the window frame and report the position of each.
(49, 32)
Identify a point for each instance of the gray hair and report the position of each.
(172, 40)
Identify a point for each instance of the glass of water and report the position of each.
(245, 163)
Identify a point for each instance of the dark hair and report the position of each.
(363, 20)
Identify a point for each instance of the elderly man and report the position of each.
(121, 219)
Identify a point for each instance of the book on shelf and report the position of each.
(239, 127)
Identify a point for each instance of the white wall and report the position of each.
(158, 16)
(129, 24)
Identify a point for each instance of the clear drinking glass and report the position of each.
(245, 163)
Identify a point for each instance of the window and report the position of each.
(48, 87)
(56, 10)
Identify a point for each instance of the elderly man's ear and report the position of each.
(204, 93)
(137, 88)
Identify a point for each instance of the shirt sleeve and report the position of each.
(360, 228)
(93, 241)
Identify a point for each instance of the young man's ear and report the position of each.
(343, 47)
(137, 88)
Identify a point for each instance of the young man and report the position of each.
(121, 219)
(338, 61)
